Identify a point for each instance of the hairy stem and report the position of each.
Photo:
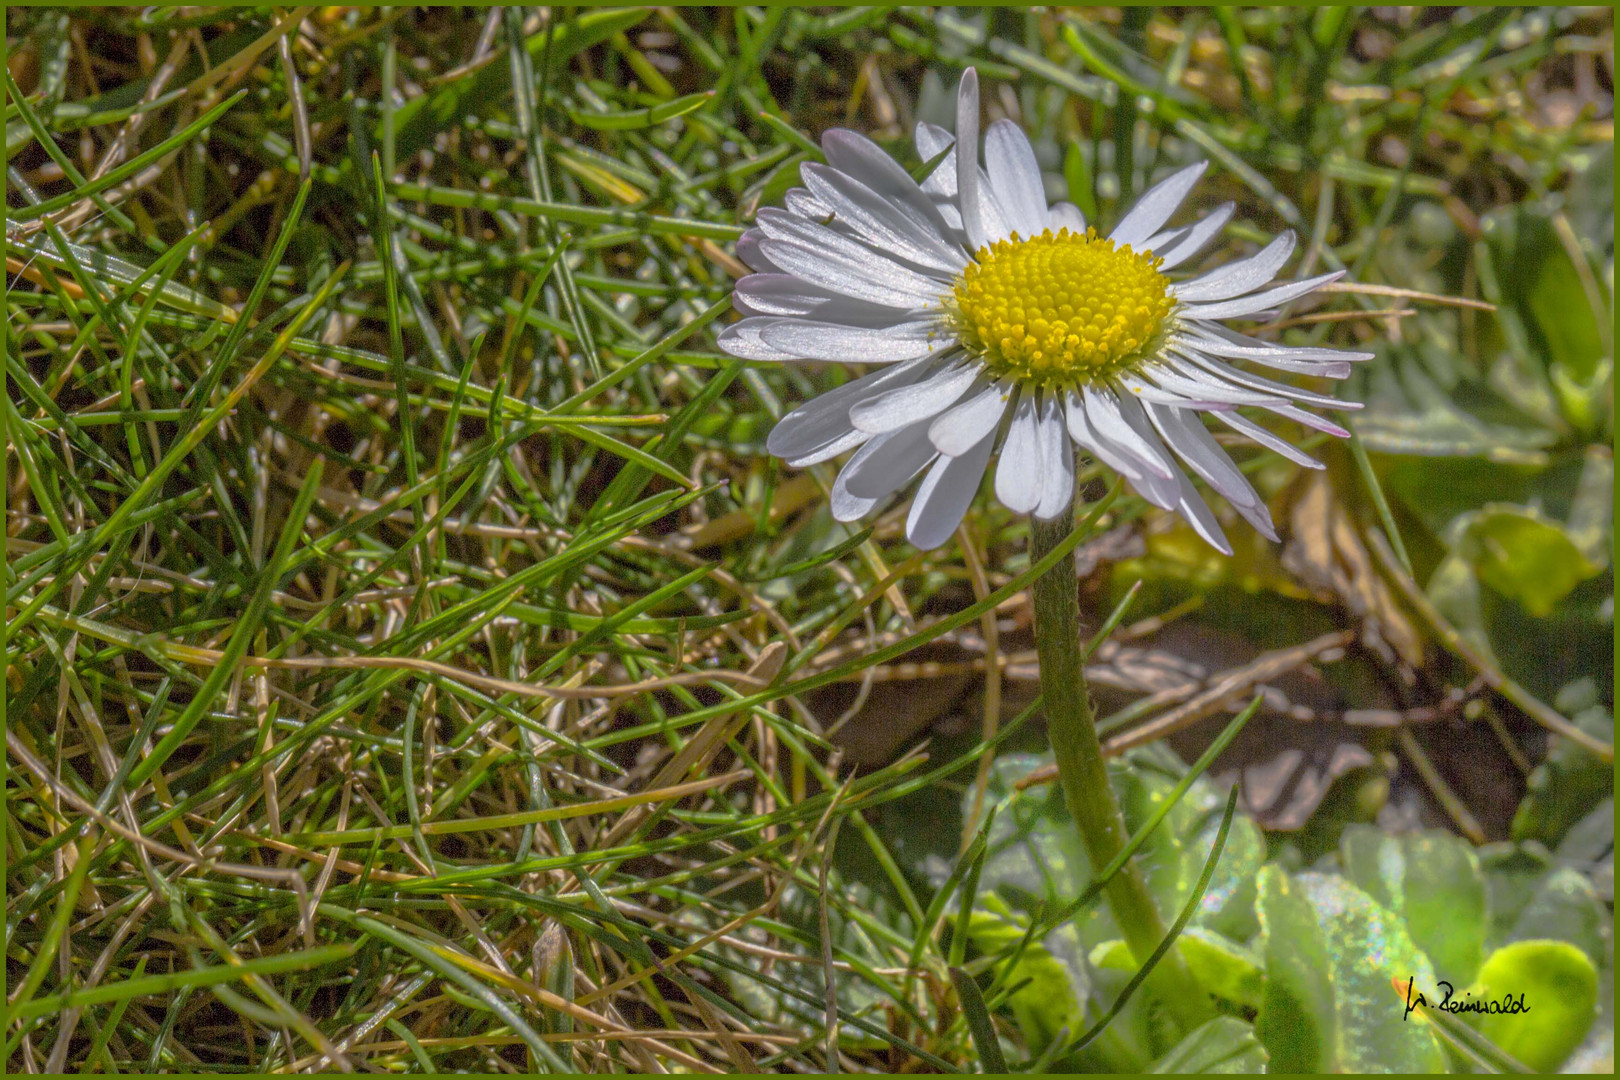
(1072, 728)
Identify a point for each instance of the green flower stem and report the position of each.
(1072, 727)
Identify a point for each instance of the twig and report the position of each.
(1542, 714)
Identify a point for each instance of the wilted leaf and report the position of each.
(1325, 550)
(1331, 955)
(1557, 985)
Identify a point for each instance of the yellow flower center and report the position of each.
(1060, 309)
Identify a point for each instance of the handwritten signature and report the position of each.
(1507, 1006)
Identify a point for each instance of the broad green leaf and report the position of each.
(1565, 907)
(1454, 590)
(1410, 412)
(1590, 843)
(1331, 956)
(1555, 985)
(1174, 855)
(1524, 556)
(1035, 854)
(1542, 286)
(1438, 490)
(1553, 356)
(1433, 881)
(1591, 515)
(1513, 872)
(1223, 967)
(1052, 1000)
(858, 990)
(1224, 1045)
(1569, 783)
(1052, 985)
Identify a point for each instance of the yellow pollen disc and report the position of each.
(1060, 309)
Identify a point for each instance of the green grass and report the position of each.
(414, 660)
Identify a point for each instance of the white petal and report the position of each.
(1018, 476)
(1280, 359)
(860, 157)
(1311, 420)
(888, 462)
(940, 185)
(1259, 516)
(1194, 393)
(742, 338)
(864, 275)
(1099, 446)
(1104, 415)
(1242, 276)
(1163, 492)
(1165, 237)
(997, 226)
(847, 507)
(805, 204)
(945, 495)
(1222, 341)
(906, 405)
(931, 139)
(1187, 435)
(882, 223)
(1197, 514)
(1057, 462)
(1191, 240)
(825, 418)
(1154, 208)
(1260, 301)
(1015, 177)
(1145, 392)
(1223, 370)
(967, 159)
(810, 339)
(849, 440)
(1066, 215)
(1272, 442)
(957, 431)
(748, 251)
(782, 294)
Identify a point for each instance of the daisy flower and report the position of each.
(998, 319)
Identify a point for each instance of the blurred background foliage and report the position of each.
(359, 340)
